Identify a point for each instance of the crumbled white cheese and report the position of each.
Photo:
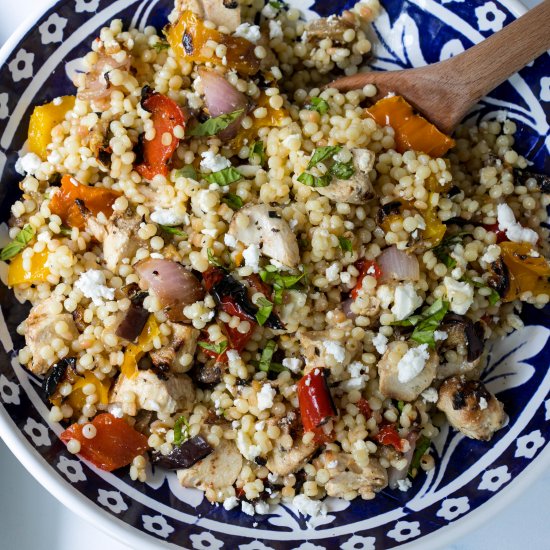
(272, 478)
(345, 277)
(214, 162)
(247, 508)
(57, 101)
(355, 368)
(269, 12)
(430, 395)
(483, 403)
(232, 356)
(275, 30)
(491, 254)
(412, 363)
(28, 164)
(406, 300)
(229, 240)
(514, 231)
(404, 484)
(248, 32)
(265, 397)
(332, 272)
(246, 448)
(169, 217)
(335, 349)
(357, 383)
(194, 100)
(460, 295)
(230, 503)
(309, 507)
(440, 335)
(262, 508)
(293, 364)
(92, 284)
(380, 342)
(251, 256)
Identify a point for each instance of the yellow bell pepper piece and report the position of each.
(38, 273)
(435, 228)
(43, 120)
(77, 399)
(134, 352)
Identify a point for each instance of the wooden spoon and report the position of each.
(444, 92)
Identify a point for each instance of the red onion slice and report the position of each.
(97, 84)
(346, 308)
(174, 285)
(395, 475)
(397, 265)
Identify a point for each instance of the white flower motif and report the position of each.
(72, 469)
(205, 541)
(9, 391)
(545, 88)
(489, 17)
(493, 480)
(255, 545)
(359, 543)
(157, 525)
(112, 500)
(405, 530)
(86, 5)
(4, 111)
(528, 445)
(451, 508)
(310, 546)
(37, 432)
(21, 65)
(52, 29)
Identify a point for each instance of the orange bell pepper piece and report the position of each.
(37, 274)
(134, 352)
(77, 399)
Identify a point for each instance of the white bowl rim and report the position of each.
(61, 489)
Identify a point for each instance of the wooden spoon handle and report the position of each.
(486, 65)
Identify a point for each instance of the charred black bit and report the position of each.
(56, 374)
(454, 190)
(301, 478)
(184, 455)
(230, 4)
(146, 93)
(500, 277)
(468, 390)
(78, 318)
(273, 214)
(187, 42)
(473, 333)
(136, 316)
(260, 461)
(393, 207)
(543, 181)
(208, 374)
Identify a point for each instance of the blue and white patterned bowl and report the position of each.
(471, 479)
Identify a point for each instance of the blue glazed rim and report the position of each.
(124, 531)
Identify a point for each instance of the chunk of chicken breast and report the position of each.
(183, 341)
(40, 330)
(471, 408)
(226, 13)
(321, 350)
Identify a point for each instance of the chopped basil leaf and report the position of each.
(216, 348)
(280, 282)
(257, 154)
(66, 231)
(276, 5)
(422, 445)
(345, 244)
(181, 430)
(224, 177)
(212, 259)
(318, 104)
(24, 237)
(342, 170)
(173, 230)
(443, 250)
(313, 181)
(424, 330)
(322, 153)
(161, 45)
(400, 405)
(494, 297)
(267, 354)
(265, 307)
(212, 126)
(339, 170)
(233, 201)
(187, 172)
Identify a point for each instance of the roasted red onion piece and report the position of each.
(395, 475)
(346, 308)
(97, 84)
(174, 285)
(397, 265)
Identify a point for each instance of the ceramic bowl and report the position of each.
(471, 479)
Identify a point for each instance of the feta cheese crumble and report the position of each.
(92, 284)
(483, 403)
(440, 335)
(430, 395)
(214, 162)
(332, 272)
(164, 216)
(229, 240)
(514, 230)
(491, 254)
(308, 507)
(265, 397)
(28, 164)
(275, 30)
(230, 503)
(412, 363)
(245, 446)
(460, 295)
(247, 508)
(406, 300)
(404, 484)
(380, 342)
(335, 349)
(293, 364)
(248, 32)
(251, 256)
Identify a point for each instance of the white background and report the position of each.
(31, 519)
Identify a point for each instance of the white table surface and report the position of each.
(31, 519)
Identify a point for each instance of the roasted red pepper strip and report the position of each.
(501, 235)
(115, 444)
(316, 405)
(166, 114)
(211, 277)
(365, 267)
(364, 408)
(387, 435)
(258, 285)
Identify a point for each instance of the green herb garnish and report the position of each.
(422, 445)
(345, 244)
(181, 430)
(493, 297)
(65, 231)
(443, 250)
(267, 355)
(224, 177)
(400, 405)
(322, 153)
(173, 230)
(212, 259)
(276, 5)
(340, 170)
(214, 125)
(265, 307)
(233, 201)
(161, 45)
(257, 154)
(318, 104)
(24, 237)
(280, 282)
(314, 181)
(187, 172)
(218, 349)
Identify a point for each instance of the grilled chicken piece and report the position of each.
(262, 225)
(218, 471)
(358, 188)
(226, 13)
(183, 340)
(40, 330)
(388, 371)
(471, 408)
(320, 350)
(346, 475)
(165, 395)
(332, 27)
